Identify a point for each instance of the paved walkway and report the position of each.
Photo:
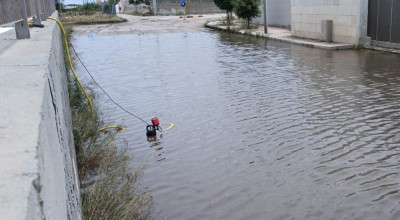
(284, 35)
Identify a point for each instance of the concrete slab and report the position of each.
(37, 174)
(308, 42)
(382, 49)
(283, 35)
(21, 92)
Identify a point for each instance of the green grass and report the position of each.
(91, 17)
(116, 195)
(142, 14)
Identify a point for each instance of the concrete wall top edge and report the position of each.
(29, 72)
(22, 90)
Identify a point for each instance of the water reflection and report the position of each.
(156, 145)
(265, 130)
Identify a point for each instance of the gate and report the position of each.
(384, 22)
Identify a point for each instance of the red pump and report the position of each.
(151, 130)
(155, 121)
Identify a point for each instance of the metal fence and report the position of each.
(108, 8)
(17, 11)
(384, 20)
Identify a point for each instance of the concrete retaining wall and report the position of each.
(38, 176)
(174, 8)
(278, 13)
(349, 19)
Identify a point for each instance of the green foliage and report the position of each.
(147, 2)
(226, 5)
(90, 7)
(87, 8)
(246, 9)
(117, 195)
(59, 6)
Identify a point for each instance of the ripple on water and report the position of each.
(263, 130)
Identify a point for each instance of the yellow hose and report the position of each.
(170, 126)
(120, 128)
(70, 64)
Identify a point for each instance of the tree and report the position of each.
(225, 5)
(147, 2)
(246, 9)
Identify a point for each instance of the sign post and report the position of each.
(265, 16)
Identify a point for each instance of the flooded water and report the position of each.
(263, 130)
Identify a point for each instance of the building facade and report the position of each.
(349, 17)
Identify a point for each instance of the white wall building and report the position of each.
(350, 19)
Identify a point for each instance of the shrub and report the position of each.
(246, 9)
(225, 5)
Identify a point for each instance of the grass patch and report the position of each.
(91, 17)
(126, 200)
(243, 25)
(142, 14)
(110, 189)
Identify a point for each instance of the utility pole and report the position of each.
(265, 16)
(155, 7)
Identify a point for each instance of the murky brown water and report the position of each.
(262, 130)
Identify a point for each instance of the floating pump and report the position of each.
(151, 130)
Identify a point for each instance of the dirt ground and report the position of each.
(149, 24)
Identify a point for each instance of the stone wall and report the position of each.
(173, 7)
(130, 8)
(348, 16)
(37, 160)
